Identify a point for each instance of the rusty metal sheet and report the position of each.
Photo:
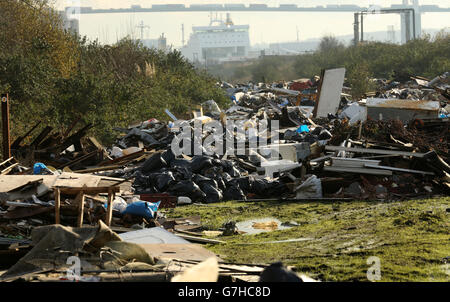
(404, 110)
(403, 104)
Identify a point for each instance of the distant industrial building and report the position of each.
(160, 43)
(291, 48)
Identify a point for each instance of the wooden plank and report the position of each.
(6, 161)
(125, 158)
(374, 151)
(8, 169)
(358, 170)
(109, 208)
(190, 229)
(320, 159)
(133, 277)
(79, 159)
(57, 206)
(80, 199)
(5, 126)
(70, 140)
(69, 179)
(97, 199)
(27, 186)
(42, 135)
(198, 239)
(98, 169)
(399, 169)
(89, 190)
(95, 142)
(181, 251)
(176, 229)
(16, 144)
(352, 162)
(74, 123)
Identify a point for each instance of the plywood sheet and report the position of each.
(66, 179)
(177, 251)
(330, 92)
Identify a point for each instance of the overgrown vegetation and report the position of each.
(411, 238)
(426, 57)
(55, 77)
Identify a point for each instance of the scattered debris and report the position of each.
(60, 185)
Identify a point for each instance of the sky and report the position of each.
(265, 27)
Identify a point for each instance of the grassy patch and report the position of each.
(411, 238)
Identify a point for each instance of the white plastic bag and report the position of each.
(310, 188)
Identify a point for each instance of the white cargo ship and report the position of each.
(219, 42)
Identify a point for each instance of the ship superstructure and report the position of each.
(220, 41)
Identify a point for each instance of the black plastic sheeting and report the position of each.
(203, 179)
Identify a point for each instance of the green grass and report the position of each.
(411, 238)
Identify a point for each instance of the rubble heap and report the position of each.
(319, 144)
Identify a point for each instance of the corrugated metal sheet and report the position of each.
(404, 110)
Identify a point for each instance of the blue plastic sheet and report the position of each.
(284, 103)
(143, 209)
(303, 128)
(38, 167)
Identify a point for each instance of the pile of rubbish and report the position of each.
(290, 140)
(380, 144)
(97, 254)
(301, 140)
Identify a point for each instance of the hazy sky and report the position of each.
(264, 26)
(144, 3)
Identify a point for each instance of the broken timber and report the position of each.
(81, 191)
(358, 170)
(8, 165)
(398, 169)
(374, 151)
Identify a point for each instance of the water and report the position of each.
(254, 226)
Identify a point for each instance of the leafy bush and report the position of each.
(426, 57)
(55, 77)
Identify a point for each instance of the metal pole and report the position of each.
(356, 29)
(5, 127)
(362, 27)
(407, 26)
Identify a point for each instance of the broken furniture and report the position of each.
(80, 193)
